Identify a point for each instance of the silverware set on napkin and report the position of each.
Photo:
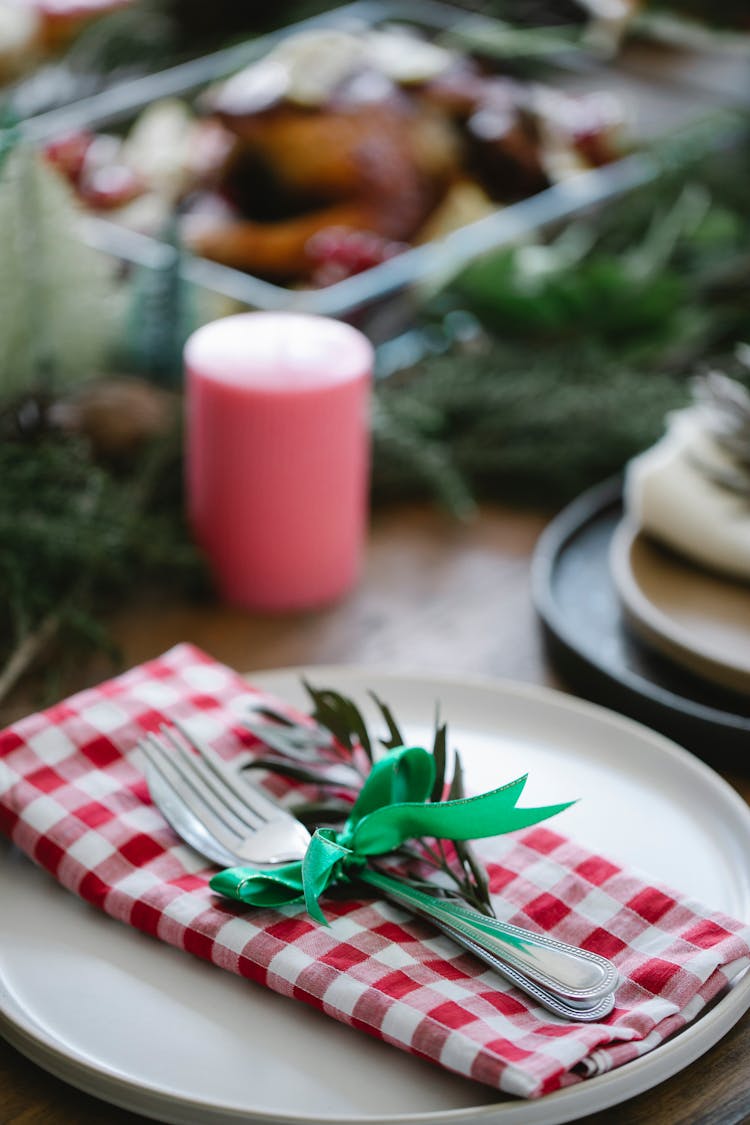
(213, 808)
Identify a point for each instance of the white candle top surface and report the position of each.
(279, 351)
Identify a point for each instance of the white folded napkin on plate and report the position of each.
(671, 493)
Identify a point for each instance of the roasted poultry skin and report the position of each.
(380, 168)
(336, 151)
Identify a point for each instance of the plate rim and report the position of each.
(589, 506)
(652, 622)
(606, 1090)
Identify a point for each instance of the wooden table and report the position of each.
(436, 596)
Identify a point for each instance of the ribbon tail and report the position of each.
(280, 886)
(324, 863)
(469, 818)
(525, 818)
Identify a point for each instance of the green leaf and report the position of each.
(320, 813)
(309, 775)
(439, 749)
(301, 743)
(395, 737)
(477, 879)
(456, 791)
(341, 716)
(467, 856)
(273, 716)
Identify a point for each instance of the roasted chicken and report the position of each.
(337, 150)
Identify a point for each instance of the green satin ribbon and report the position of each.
(392, 808)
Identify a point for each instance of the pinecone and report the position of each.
(118, 415)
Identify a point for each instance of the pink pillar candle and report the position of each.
(277, 455)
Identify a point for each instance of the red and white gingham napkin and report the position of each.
(72, 796)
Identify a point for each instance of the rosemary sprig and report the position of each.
(76, 538)
(333, 748)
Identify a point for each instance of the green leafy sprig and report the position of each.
(334, 749)
(582, 344)
(77, 537)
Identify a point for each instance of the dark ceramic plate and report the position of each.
(593, 651)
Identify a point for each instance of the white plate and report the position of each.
(146, 1027)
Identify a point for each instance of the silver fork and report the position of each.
(232, 823)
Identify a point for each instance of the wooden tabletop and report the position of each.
(435, 596)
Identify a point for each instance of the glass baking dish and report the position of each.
(380, 299)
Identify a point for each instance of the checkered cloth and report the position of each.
(73, 797)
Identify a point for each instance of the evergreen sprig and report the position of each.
(582, 345)
(511, 424)
(333, 749)
(79, 536)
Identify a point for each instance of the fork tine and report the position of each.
(188, 769)
(246, 793)
(194, 801)
(208, 781)
(267, 844)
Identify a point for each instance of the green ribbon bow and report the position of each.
(392, 807)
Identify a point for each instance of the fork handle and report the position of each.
(579, 978)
